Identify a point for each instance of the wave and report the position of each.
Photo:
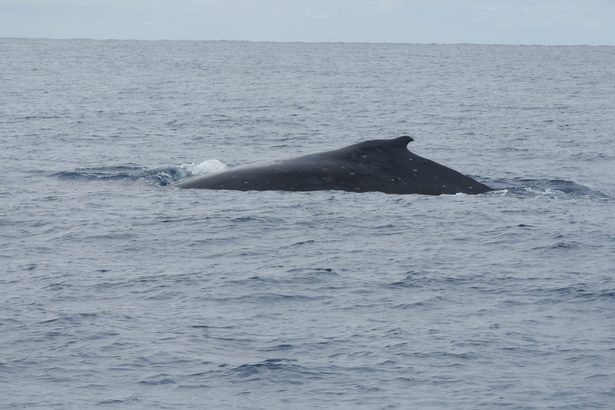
(282, 371)
(544, 187)
(159, 176)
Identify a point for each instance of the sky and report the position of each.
(545, 22)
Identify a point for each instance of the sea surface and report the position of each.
(118, 290)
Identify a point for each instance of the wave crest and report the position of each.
(159, 176)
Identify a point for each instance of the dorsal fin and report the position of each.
(395, 143)
(402, 141)
(361, 149)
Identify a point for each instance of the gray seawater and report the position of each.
(118, 290)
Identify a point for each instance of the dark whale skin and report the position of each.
(376, 165)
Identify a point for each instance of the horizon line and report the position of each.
(309, 42)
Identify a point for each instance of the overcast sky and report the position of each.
(405, 21)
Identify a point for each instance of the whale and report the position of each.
(381, 165)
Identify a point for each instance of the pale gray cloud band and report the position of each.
(408, 21)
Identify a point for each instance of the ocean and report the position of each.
(118, 290)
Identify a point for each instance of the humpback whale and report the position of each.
(376, 165)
